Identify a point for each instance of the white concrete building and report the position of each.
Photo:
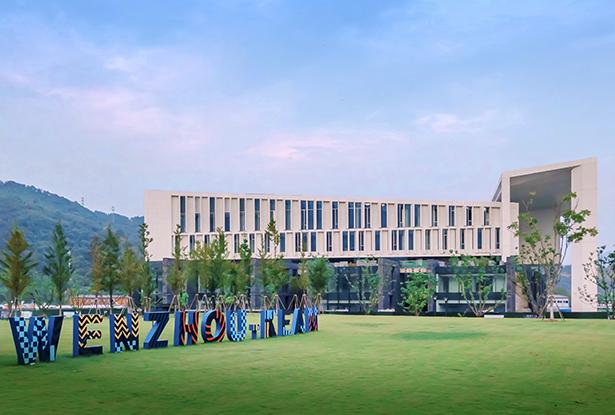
(352, 228)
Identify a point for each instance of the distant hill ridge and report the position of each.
(36, 212)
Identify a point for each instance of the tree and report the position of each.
(43, 293)
(241, 273)
(110, 265)
(59, 264)
(600, 272)
(130, 272)
(475, 278)
(417, 291)
(319, 274)
(176, 279)
(367, 286)
(541, 255)
(274, 274)
(96, 271)
(302, 282)
(16, 265)
(147, 284)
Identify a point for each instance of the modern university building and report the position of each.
(389, 236)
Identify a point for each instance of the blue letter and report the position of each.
(160, 320)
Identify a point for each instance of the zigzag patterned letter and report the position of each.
(186, 322)
(81, 334)
(36, 339)
(236, 325)
(124, 332)
(160, 319)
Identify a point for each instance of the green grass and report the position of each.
(354, 364)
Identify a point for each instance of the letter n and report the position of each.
(124, 332)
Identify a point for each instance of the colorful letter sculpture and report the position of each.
(208, 335)
(160, 319)
(310, 316)
(81, 334)
(282, 322)
(267, 327)
(236, 325)
(37, 339)
(186, 328)
(297, 326)
(254, 329)
(124, 332)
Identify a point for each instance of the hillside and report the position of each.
(36, 212)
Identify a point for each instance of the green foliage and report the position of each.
(59, 265)
(147, 285)
(417, 291)
(130, 271)
(600, 272)
(43, 293)
(16, 266)
(475, 283)
(302, 282)
(96, 272)
(240, 274)
(273, 270)
(367, 286)
(319, 273)
(176, 279)
(110, 265)
(219, 265)
(541, 255)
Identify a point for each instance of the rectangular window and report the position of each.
(345, 241)
(329, 242)
(383, 215)
(182, 214)
(377, 241)
(313, 241)
(445, 239)
(400, 239)
(368, 215)
(271, 210)
(486, 217)
(479, 238)
(319, 214)
(282, 242)
(267, 243)
(361, 241)
(451, 216)
(497, 238)
(427, 240)
(407, 210)
(410, 240)
(417, 216)
(310, 213)
(350, 215)
(357, 214)
(335, 215)
(212, 214)
(242, 215)
(445, 284)
(394, 240)
(303, 214)
(287, 214)
(297, 242)
(236, 243)
(257, 214)
(468, 215)
(434, 215)
(197, 214)
(227, 215)
(304, 241)
(351, 240)
(400, 215)
(462, 239)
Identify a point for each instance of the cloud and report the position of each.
(447, 123)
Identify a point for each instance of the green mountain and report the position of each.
(36, 212)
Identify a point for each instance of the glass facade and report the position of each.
(368, 215)
(335, 218)
(257, 214)
(350, 215)
(212, 214)
(287, 214)
(182, 214)
(383, 215)
(417, 216)
(319, 214)
(242, 215)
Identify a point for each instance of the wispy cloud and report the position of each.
(446, 123)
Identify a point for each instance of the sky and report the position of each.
(101, 100)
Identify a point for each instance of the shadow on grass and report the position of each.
(434, 335)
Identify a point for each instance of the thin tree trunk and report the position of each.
(110, 302)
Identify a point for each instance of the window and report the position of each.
(297, 242)
(407, 211)
(486, 214)
(368, 215)
(350, 215)
(197, 214)
(394, 240)
(257, 214)
(410, 240)
(497, 238)
(361, 241)
(212, 214)
(251, 242)
(236, 243)
(242, 215)
(304, 241)
(417, 216)
(206, 239)
(445, 239)
(400, 215)
(335, 215)
(282, 242)
(287, 214)
(434, 215)
(329, 242)
(383, 215)
(182, 214)
(271, 210)
(427, 240)
(319, 214)
(400, 239)
(351, 240)
(192, 242)
(310, 213)
(357, 214)
(451, 216)
(468, 215)
(227, 215)
(462, 239)
(345, 241)
(313, 241)
(479, 238)
(303, 214)
(377, 241)
(445, 284)
(267, 242)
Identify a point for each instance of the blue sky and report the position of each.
(103, 99)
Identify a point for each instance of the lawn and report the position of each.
(354, 364)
